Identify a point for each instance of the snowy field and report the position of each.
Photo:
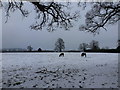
(47, 70)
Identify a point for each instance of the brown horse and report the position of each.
(83, 54)
(61, 54)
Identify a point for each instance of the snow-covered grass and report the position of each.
(47, 70)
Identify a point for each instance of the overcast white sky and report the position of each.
(17, 34)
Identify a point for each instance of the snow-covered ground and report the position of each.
(47, 70)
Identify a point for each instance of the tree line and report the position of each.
(93, 46)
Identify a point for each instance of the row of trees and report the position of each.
(30, 48)
(93, 45)
(60, 46)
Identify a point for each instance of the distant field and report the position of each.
(47, 70)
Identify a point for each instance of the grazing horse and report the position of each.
(83, 54)
(61, 54)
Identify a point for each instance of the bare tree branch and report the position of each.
(102, 13)
(49, 14)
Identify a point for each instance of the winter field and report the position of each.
(47, 70)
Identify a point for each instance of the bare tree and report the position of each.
(29, 48)
(101, 13)
(39, 49)
(59, 45)
(83, 46)
(49, 14)
(94, 45)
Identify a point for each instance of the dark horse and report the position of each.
(61, 54)
(83, 54)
